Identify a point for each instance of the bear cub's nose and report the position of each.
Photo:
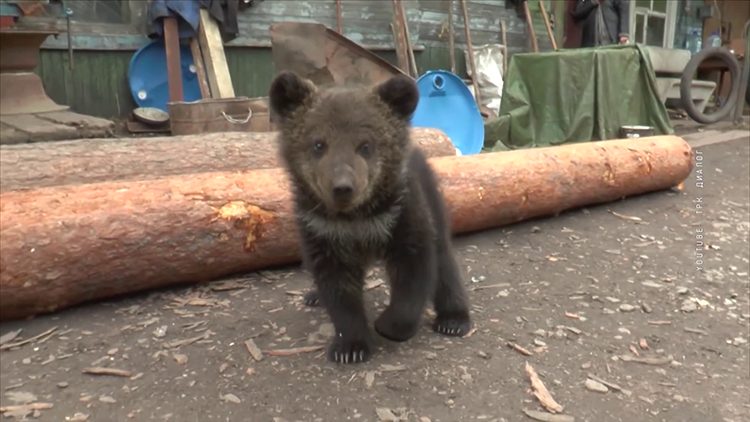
(343, 190)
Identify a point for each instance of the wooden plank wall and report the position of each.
(98, 86)
(366, 22)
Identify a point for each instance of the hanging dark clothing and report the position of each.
(602, 22)
(188, 12)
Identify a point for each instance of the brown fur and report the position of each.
(362, 193)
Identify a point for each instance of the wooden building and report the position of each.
(107, 33)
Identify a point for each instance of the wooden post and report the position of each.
(451, 36)
(470, 50)
(172, 49)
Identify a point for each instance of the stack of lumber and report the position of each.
(82, 223)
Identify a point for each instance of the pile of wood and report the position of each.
(87, 220)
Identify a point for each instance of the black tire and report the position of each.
(686, 85)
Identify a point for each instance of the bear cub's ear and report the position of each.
(288, 92)
(400, 94)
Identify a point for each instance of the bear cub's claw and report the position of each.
(454, 325)
(349, 351)
(311, 298)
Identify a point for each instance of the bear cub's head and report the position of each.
(343, 147)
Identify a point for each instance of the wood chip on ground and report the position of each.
(541, 392)
(294, 351)
(97, 370)
(519, 349)
(548, 417)
(23, 407)
(647, 360)
(254, 350)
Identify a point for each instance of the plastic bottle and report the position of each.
(714, 40)
(693, 42)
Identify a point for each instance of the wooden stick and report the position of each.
(99, 160)
(451, 37)
(66, 245)
(504, 40)
(548, 26)
(530, 25)
(200, 68)
(98, 370)
(400, 37)
(338, 17)
(407, 37)
(470, 50)
(26, 407)
(28, 340)
(172, 50)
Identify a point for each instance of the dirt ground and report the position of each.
(612, 291)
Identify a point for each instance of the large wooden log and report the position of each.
(65, 245)
(100, 160)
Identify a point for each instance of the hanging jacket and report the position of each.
(602, 22)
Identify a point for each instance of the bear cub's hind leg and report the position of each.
(312, 298)
(450, 301)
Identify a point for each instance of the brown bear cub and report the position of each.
(363, 193)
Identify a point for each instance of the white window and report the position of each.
(652, 22)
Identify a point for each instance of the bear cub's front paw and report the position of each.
(343, 350)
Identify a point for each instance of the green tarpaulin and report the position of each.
(578, 95)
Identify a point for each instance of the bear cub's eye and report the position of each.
(319, 148)
(365, 150)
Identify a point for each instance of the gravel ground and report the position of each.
(615, 293)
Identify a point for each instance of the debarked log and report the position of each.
(99, 160)
(65, 245)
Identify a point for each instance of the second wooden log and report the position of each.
(66, 245)
(99, 160)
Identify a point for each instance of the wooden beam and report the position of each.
(212, 48)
